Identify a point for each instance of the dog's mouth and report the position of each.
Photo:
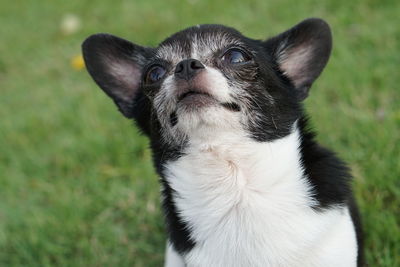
(193, 100)
(193, 94)
(197, 99)
(232, 106)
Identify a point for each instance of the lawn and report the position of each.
(77, 187)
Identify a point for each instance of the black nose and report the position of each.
(187, 68)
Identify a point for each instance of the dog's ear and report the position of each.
(116, 65)
(302, 52)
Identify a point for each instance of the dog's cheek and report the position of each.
(164, 102)
(241, 78)
(247, 74)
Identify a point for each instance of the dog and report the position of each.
(244, 183)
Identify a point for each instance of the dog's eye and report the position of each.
(235, 56)
(155, 74)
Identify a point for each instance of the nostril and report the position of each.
(195, 64)
(179, 67)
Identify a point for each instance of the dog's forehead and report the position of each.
(199, 42)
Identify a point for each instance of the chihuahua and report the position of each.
(244, 183)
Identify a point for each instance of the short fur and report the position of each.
(244, 182)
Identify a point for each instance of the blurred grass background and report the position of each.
(76, 183)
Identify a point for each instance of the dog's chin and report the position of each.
(204, 115)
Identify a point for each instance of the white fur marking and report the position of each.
(248, 204)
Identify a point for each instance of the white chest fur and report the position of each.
(248, 204)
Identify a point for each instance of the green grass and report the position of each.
(76, 183)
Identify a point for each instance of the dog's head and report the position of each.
(210, 78)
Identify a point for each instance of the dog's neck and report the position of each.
(217, 176)
(230, 157)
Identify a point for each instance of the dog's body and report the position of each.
(243, 181)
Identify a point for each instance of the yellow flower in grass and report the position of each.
(77, 62)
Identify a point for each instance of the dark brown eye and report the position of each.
(235, 56)
(155, 74)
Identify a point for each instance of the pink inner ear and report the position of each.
(294, 63)
(127, 75)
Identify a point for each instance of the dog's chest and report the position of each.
(247, 204)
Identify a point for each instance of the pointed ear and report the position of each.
(116, 65)
(302, 52)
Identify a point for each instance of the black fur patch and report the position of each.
(329, 176)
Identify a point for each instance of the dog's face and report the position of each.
(211, 79)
